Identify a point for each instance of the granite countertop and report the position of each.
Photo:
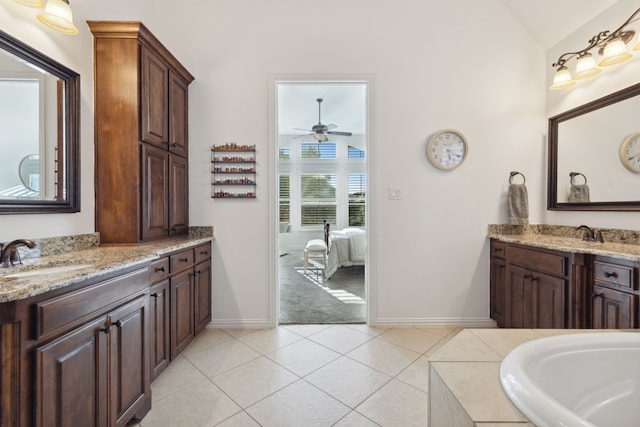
(618, 243)
(93, 263)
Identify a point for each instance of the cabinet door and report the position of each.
(155, 192)
(159, 310)
(178, 115)
(71, 378)
(519, 294)
(613, 309)
(498, 290)
(182, 313)
(154, 105)
(202, 304)
(129, 359)
(548, 305)
(179, 195)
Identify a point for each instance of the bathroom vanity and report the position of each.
(83, 334)
(548, 277)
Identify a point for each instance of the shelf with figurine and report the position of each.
(233, 165)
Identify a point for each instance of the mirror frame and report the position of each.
(71, 103)
(552, 180)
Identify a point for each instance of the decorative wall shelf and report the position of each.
(233, 171)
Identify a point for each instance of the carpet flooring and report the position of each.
(312, 299)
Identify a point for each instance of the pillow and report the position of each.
(316, 245)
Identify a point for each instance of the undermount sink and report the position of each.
(49, 270)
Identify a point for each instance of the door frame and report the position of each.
(273, 219)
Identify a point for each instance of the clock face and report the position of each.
(630, 153)
(447, 149)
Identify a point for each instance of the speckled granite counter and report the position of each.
(623, 244)
(97, 261)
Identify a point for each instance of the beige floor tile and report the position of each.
(303, 357)
(253, 381)
(465, 346)
(222, 357)
(238, 332)
(299, 404)
(417, 374)
(418, 340)
(348, 381)
(208, 338)
(305, 330)
(502, 341)
(268, 340)
(241, 419)
(396, 404)
(443, 341)
(443, 331)
(384, 356)
(201, 405)
(354, 419)
(504, 425)
(340, 338)
(369, 330)
(179, 375)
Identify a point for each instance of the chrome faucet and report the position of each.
(591, 235)
(9, 254)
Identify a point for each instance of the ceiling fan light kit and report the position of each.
(611, 46)
(320, 131)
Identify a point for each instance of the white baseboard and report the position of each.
(460, 322)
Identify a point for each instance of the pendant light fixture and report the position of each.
(57, 15)
(31, 3)
(612, 46)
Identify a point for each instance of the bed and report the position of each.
(347, 247)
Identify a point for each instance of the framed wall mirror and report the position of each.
(592, 150)
(40, 122)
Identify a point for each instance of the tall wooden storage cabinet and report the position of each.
(141, 135)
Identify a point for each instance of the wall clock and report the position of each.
(447, 149)
(630, 152)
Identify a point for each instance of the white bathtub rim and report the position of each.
(517, 385)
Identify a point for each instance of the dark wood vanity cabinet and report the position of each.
(615, 293)
(536, 288)
(141, 135)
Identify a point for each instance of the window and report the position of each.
(318, 199)
(316, 150)
(285, 198)
(357, 193)
(285, 153)
(355, 153)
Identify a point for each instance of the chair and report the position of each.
(317, 249)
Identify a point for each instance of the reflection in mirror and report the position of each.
(585, 167)
(39, 101)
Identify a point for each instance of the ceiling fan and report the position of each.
(320, 131)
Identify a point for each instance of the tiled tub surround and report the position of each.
(623, 244)
(464, 388)
(84, 250)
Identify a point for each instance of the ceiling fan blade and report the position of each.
(306, 130)
(302, 136)
(340, 133)
(331, 126)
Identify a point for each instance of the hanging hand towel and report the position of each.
(579, 193)
(518, 204)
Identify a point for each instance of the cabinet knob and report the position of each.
(607, 274)
(596, 295)
(154, 295)
(160, 269)
(204, 253)
(174, 144)
(106, 329)
(172, 229)
(118, 323)
(185, 259)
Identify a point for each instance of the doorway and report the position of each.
(321, 194)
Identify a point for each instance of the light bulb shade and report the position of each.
(57, 15)
(31, 3)
(562, 79)
(614, 52)
(586, 67)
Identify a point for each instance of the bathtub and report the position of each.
(576, 380)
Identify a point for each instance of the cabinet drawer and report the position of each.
(181, 260)
(540, 261)
(498, 249)
(63, 312)
(159, 270)
(613, 274)
(202, 253)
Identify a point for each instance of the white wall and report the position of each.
(609, 80)
(457, 64)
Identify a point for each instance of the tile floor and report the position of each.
(299, 375)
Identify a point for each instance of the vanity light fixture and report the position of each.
(57, 15)
(611, 46)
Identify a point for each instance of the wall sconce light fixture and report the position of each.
(611, 46)
(57, 14)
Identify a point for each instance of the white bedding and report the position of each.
(347, 247)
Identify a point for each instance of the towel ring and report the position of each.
(574, 174)
(514, 173)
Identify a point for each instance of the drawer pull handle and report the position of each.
(118, 323)
(154, 295)
(597, 295)
(106, 329)
(184, 259)
(198, 272)
(204, 253)
(160, 269)
(607, 274)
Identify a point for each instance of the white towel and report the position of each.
(579, 193)
(518, 204)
